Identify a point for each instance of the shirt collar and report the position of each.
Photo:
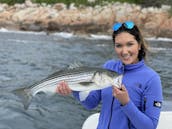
(131, 66)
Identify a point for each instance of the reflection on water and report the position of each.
(29, 57)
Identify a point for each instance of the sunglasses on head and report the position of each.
(127, 25)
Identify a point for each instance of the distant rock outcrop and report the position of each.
(35, 17)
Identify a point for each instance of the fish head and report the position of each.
(105, 78)
(112, 78)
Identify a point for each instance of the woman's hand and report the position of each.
(63, 88)
(121, 94)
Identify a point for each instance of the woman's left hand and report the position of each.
(121, 94)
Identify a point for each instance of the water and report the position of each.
(29, 57)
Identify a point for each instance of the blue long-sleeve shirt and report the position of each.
(142, 111)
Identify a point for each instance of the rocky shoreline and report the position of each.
(154, 22)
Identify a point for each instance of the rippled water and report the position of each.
(29, 57)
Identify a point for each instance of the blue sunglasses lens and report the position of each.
(127, 24)
(117, 26)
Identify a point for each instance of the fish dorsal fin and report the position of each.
(64, 70)
(75, 65)
(56, 73)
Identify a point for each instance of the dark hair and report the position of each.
(137, 35)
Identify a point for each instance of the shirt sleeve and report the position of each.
(91, 101)
(149, 116)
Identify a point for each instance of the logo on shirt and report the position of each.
(157, 104)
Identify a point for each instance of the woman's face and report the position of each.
(127, 48)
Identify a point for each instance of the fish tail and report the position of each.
(25, 96)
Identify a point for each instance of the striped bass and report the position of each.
(83, 79)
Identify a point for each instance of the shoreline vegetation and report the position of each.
(90, 19)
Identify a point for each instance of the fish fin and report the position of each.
(85, 83)
(75, 65)
(64, 70)
(56, 73)
(83, 95)
(25, 96)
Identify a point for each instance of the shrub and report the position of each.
(12, 2)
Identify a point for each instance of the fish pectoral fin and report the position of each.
(86, 83)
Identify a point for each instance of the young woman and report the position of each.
(137, 104)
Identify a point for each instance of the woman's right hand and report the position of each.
(63, 88)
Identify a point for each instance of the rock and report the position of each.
(23, 14)
(30, 26)
(91, 1)
(28, 3)
(59, 6)
(57, 17)
(5, 15)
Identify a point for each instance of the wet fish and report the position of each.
(83, 79)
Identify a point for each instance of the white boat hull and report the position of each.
(165, 121)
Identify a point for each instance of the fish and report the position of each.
(83, 79)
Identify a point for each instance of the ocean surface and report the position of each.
(28, 57)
